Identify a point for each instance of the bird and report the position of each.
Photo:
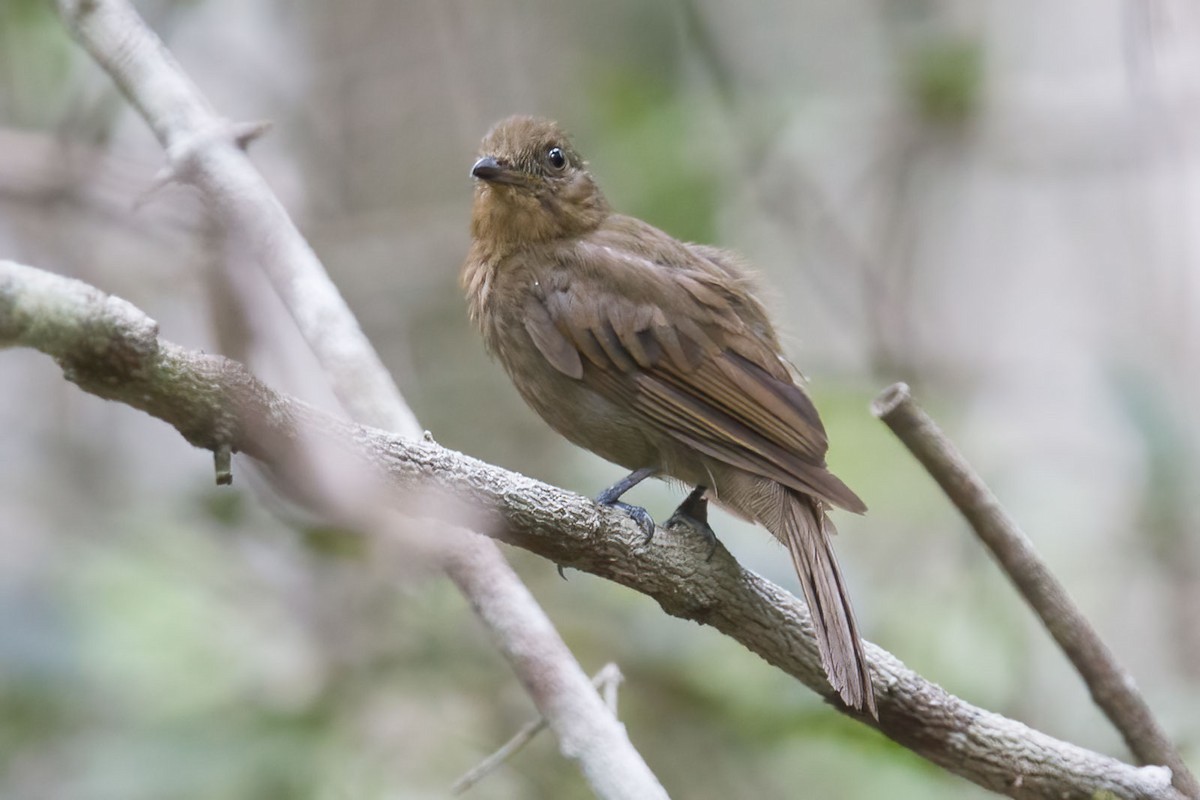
(656, 355)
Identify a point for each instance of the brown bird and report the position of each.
(656, 355)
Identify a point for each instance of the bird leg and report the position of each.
(612, 497)
(693, 513)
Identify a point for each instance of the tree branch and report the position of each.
(606, 680)
(1112, 688)
(216, 404)
(204, 149)
(208, 151)
(109, 348)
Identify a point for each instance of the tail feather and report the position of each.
(804, 532)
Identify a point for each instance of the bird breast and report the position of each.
(567, 404)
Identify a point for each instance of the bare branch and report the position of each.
(484, 768)
(605, 681)
(209, 152)
(580, 720)
(108, 348)
(203, 149)
(1112, 688)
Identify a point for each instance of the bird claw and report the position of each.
(693, 514)
(638, 514)
(611, 497)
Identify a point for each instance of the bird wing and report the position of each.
(686, 348)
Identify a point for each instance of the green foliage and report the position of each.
(1167, 435)
(944, 80)
(648, 148)
(35, 62)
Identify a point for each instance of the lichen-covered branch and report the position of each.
(110, 349)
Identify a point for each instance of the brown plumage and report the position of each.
(656, 355)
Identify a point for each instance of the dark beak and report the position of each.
(492, 171)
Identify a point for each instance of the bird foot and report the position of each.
(638, 514)
(611, 497)
(693, 514)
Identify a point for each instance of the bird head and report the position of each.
(532, 186)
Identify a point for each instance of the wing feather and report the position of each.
(549, 340)
(697, 360)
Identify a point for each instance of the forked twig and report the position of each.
(606, 680)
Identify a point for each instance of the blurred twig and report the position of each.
(1112, 688)
(46, 171)
(109, 348)
(606, 680)
(206, 151)
(785, 195)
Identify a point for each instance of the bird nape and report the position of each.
(654, 354)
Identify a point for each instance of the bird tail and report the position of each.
(806, 532)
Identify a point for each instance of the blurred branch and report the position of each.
(203, 149)
(207, 151)
(587, 730)
(45, 171)
(1112, 688)
(606, 681)
(109, 348)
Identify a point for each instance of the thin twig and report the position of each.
(111, 349)
(606, 680)
(1112, 687)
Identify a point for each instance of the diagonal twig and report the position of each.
(1112, 688)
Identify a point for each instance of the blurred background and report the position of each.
(997, 202)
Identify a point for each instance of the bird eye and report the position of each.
(556, 157)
